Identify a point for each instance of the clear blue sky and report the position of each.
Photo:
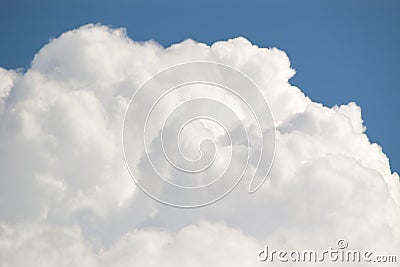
(342, 50)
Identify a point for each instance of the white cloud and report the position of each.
(32, 244)
(66, 197)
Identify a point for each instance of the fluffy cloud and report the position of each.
(67, 199)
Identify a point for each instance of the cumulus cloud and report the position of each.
(66, 197)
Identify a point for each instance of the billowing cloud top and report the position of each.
(67, 199)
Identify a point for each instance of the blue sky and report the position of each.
(342, 50)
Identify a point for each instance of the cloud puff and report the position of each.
(66, 197)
